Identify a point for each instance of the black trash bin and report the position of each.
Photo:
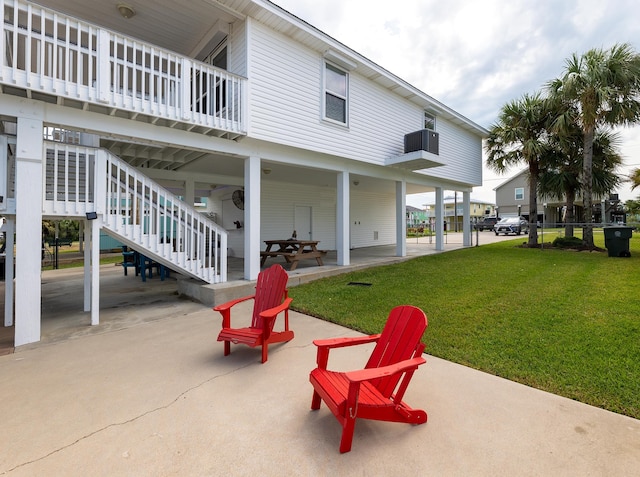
(616, 239)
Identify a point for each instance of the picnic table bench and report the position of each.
(293, 251)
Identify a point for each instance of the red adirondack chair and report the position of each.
(375, 392)
(270, 300)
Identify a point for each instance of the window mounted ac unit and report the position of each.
(423, 140)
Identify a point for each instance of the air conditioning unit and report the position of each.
(423, 140)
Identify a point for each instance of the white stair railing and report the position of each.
(134, 209)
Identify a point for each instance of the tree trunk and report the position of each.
(569, 217)
(533, 204)
(587, 187)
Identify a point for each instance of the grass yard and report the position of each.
(566, 322)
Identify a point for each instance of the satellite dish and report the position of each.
(238, 199)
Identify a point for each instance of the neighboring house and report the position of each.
(512, 199)
(416, 217)
(454, 216)
(112, 115)
(512, 196)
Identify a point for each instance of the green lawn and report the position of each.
(566, 322)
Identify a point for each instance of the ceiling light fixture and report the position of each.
(126, 11)
(266, 171)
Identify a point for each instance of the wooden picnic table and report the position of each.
(293, 251)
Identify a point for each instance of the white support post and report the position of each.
(189, 191)
(9, 228)
(401, 219)
(104, 66)
(185, 90)
(251, 218)
(102, 203)
(95, 271)
(29, 153)
(342, 218)
(439, 219)
(466, 219)
(87, 263)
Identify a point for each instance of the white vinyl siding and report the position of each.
(237, 49)
(287, 95)
(372, 219)
(375, 212)
(287, 104)
(278, 211)
(462, 153)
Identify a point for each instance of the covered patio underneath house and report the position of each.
(124, 299)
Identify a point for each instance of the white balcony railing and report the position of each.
(46, 51)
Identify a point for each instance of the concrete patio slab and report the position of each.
(149, 392)
(159, 398)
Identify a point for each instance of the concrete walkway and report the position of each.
(156, 397)
(148, 392)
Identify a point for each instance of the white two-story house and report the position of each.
(124, 113)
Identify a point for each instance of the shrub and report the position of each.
(567, 242)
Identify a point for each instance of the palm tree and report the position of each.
(561, 179)
(519, 136)
(635, 178)
(604, 87)
(632, 207)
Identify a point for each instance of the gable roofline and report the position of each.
(282, 21)
(511, 178)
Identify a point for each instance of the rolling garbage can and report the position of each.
(616, 239)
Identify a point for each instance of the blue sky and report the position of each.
(476, 56)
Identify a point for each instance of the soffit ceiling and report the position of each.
(180, 26)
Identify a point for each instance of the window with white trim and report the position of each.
(519, 193)
(429, 121)
(336, 86)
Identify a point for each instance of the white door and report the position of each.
(302, 222)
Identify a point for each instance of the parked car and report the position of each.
(511, 225)
(486, 223)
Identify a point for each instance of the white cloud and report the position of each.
(476, 56)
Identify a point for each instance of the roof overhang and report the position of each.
(414, 161)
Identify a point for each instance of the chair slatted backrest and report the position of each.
(270, 292)
(400, 340)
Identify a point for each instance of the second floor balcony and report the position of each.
(56, 58)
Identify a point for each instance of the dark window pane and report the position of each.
(221, 59)
(336, 108)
